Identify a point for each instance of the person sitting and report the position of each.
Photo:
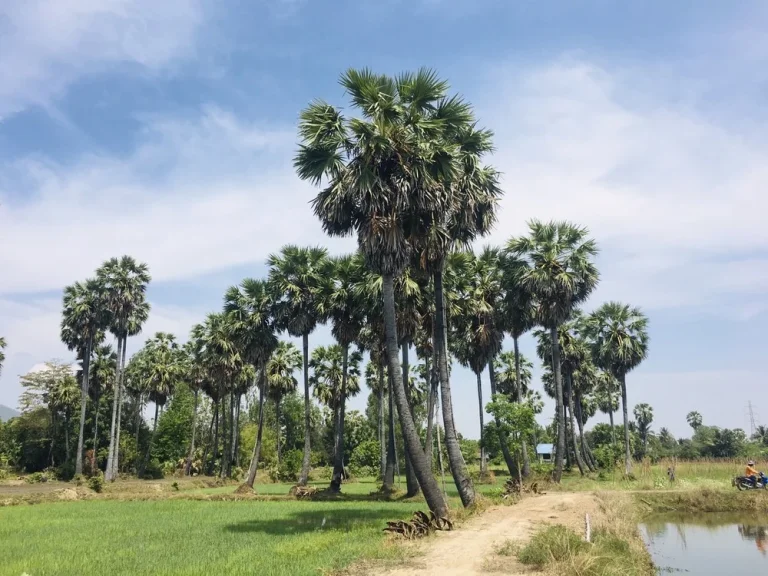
(752, 472)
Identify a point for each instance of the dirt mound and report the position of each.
(244, 489)
(67, 494)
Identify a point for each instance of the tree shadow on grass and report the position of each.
(345, 520)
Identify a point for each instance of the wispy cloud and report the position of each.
(46, 44)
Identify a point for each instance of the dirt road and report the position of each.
(471, 549)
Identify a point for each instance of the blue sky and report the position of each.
(165, 130)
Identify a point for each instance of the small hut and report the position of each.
(544, 452)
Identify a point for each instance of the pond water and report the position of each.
(708, 544)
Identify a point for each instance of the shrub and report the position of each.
(553, 544)
(79, 480)
(96, 483)
(366, 454)
(37, 477)
(608, 456)
(290, 466)
(153, 471)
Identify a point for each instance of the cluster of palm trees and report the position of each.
(406, 176)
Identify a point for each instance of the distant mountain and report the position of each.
(7, 413)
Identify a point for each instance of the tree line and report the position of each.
(404, 174)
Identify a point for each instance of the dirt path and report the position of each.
(471, 549)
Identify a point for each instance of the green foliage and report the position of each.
(608, 456)
(96, 482)
(174, 427)
(154, 470)
(365, 458)
(290, 465)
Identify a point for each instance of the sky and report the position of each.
(166, 130)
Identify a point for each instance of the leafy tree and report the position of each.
(519, 422)
(124, 284)
(619, 335)
(3, 344)
(556, 268)
(694, 420)
(607, 396)
(84, 318)
(196, 375)
(293, 280)
(644, 417)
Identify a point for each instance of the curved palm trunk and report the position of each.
(412, 484)
(116, 459)
(188, 463)
(413, 446)
(83, 404)
(483, 470)
(429, 444)
(576, 450)
(625, 410)
(458, 466)
(585, 451)
(115, 400)
(257, 447)
(338, 458)
(307, 424)
(382, 439)
(560, 453)
(508, 460)
(524, 446)
(151, 442)
(390, 465)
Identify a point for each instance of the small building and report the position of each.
(544, 452)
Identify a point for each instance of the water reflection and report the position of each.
(709, 544)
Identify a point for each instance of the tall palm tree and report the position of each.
(195, 376)
(694, 420)
(374, 379)
(124, 284)
(378, 170)
(607, 396)
(84, 318)
(556, 268)
(282, 366)
(249, 311)
(518, 314)
(644, 418)
(619, 336)
(339, 301)
(293, 279)
(102, 378)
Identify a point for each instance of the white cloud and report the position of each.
(46, 44)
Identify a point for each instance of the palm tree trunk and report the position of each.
(428, 445)
(277, 429)
(307, 424)
(188, 463)
(524, 447)
(558, 472)
(66, 438)
(116, 459)
(624, 408)
(458, 466)
(115, 400)
(411, 483)
(226, 436)
(207, 445)
(382, 443)
(613, 431)
(413, 447)
(151, 442)
(480, 401)
(585, 451)
(254, 467)
(389, 468)
(83, 404)
(96, 435)
(509, 461)
(576, 450)
(53, 436)
(338, 456)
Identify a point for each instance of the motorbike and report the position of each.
(745, 483)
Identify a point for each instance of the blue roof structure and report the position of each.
(545, 448)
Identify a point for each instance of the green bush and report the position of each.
(96, 483)
(366, 455)
(608, 456)
(553, 544)
(153, 471)
(37, 478)
(290, 466)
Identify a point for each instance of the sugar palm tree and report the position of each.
(195, 376)
(102, 378)
(556, 268)
(124, 284)
(619, 335)
(282, 366)
(293, 280)
(378, 171)
(84, 318)
(518, 315)
(249, 312)
(694, 420)
(340, 303)
(644, 418)
(607, 396)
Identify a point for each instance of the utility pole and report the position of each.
(751, 418)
